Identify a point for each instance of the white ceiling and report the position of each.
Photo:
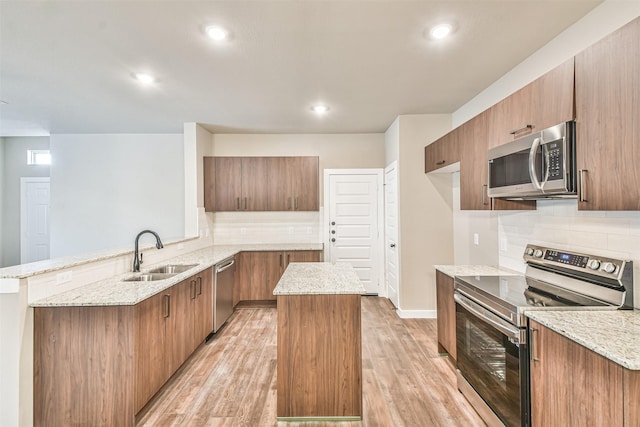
(65, 66)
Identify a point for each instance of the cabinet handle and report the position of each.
(237, 203)
(288, 203)
(281, 260)
(192, 289)
(295, 203)
(581, 187)
(245, 203)
(167, 306)
(441, 162)
(517, 131)
(199, 285)
(288, 259)
(484, 194)
(532, 346)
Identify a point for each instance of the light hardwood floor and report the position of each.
(231, 381)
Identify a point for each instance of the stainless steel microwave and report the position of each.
(537, 166)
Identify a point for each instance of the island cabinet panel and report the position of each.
(608, 124)
(572, 385)
(83, 366)
(446, 309)
(319, 371)
(442, 152)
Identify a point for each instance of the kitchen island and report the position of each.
(319, 343)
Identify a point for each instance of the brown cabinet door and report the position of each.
(446, 309)
(228, 184)
(305, 183)
(179, 336)
(608, 124)
(254, 184)
(473, 164)
(301, 256)
(568, 382)
(203, 318)
(150, 348)
(257, 275)
(280, 189)
(442, 152)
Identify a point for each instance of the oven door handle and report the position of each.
(488, 317)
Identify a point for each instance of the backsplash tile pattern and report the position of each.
(559, 224)
(265, 227)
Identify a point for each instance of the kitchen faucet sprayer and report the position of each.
(137, 259)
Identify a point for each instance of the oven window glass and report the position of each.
(513, 169)
(490, 362)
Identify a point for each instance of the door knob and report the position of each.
(333, 223)
(393, 245)
(333, 231)
(333, 239)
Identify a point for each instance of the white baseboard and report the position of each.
(416, 314)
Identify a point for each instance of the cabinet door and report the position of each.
(442, 152)
(473, 164)
(254, 184)
(446, 315)
(151, 372)
(305, 183)
(568, 382)
(608, 128)
(179, 337)
(228, 184)
(301, 256)
(265, 272)
(553, 97)
(203, 318)
(242, 281)
(280, 189)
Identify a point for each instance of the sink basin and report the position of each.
(173, 268)
(149, 277)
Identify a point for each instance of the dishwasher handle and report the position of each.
(225, 267)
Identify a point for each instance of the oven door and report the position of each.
(493, 359)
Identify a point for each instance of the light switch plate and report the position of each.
(64, 277)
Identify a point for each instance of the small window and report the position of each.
(38, 157)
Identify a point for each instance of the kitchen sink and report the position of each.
(173, 268)
(149, 277)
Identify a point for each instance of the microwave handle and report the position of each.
(547, 164)
(532, 164)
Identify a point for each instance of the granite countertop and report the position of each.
(318, 278)
(474, 270)
(115, 291)
(614, 334)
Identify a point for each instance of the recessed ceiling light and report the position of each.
(217, 33)
(319, 109)
(144, 78)
(441, 31)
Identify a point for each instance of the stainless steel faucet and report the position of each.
(137, 259)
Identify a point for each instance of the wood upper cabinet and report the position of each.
(446, 309)
(258, 272)
(543, 103)
(568, 382)
(608, 124)
(473, 164)
(261, 183)
(442, 152)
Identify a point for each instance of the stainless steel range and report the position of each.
(491, 329)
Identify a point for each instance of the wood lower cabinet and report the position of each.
(261, 184)
(203, 313)
(608, 128)
(572, 385)
(442, 152)
(258, 272)
(446, 309)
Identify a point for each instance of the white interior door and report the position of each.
(391, 232)
(353, 200)
(34, 219)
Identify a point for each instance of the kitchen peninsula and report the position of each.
(319, 343)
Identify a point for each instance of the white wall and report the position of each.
(392, 142)
(425, 214)
(2, 203)
(602, 20)
(13, 168)
(107, 188)
(197, 143)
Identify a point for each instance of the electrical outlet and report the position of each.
(476, 239)
(503, 244)
(64, 277)
(243, 231)
(309, 230)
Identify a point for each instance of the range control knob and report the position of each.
(609, 267)
(594, 264)
(537, 253)
(529, 251)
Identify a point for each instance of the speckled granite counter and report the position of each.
(319, 278)
(612, 334)
(115, 291)
(474, 270)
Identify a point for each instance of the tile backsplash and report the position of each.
(265, 227)
(559, 224)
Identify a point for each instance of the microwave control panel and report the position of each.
(555, 160)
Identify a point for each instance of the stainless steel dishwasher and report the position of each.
(223, 292)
